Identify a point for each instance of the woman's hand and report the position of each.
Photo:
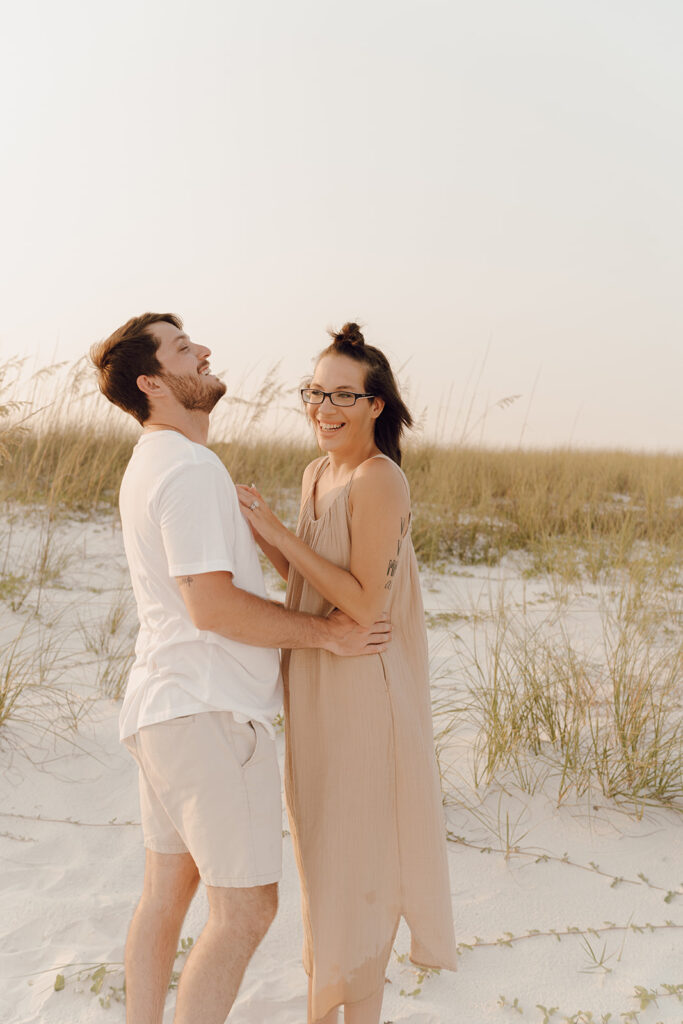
(261, 519)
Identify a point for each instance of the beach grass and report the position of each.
(553, 582)
(574, 512)
(541, 711)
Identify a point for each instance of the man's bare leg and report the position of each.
(238, 920)
(170, 883)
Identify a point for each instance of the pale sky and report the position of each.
(494, 188)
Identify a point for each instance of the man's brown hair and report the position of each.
(126, 354)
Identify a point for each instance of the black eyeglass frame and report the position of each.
(328, 394)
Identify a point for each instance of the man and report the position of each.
(205, 684)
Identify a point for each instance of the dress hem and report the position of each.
(433, 967)
(351, 1002)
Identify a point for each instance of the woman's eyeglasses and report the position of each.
(312, 396)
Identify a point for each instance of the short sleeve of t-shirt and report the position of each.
(196, 510)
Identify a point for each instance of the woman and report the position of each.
(361, 779)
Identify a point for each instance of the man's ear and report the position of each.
(149, 385)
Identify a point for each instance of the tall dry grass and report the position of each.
(575, 512)
(64, 446)
(538, 707)
(542, 713)
(477, 504)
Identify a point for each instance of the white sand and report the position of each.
(72, 858)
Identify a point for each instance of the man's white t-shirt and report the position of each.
(181, 517)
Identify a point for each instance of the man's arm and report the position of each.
(214, 603)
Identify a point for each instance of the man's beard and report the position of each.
(198, 393)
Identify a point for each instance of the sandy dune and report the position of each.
(71, 853)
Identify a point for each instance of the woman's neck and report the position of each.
(343, 463)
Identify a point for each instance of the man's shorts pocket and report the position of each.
(244, 741)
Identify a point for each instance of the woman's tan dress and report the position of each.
(362, 785)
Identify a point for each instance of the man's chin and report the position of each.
(198, 394)
(209, 401)
(218, 392)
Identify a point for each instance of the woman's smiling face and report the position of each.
(342, 427)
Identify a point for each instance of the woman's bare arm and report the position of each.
(379, 522)
(272, 553)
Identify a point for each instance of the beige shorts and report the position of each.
(210, 786)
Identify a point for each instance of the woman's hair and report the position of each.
(379, 382)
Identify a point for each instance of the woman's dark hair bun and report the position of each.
(350, 334)
(378, 382)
